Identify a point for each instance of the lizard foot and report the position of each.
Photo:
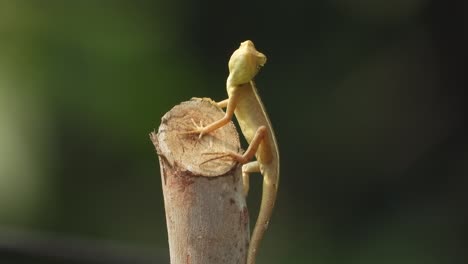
(221, 155)
(197, 129)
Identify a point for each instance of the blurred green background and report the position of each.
(367, 99)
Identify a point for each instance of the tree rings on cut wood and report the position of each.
(188, 151)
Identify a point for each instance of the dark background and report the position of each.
(367, 99)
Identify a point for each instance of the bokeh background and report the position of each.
(367, 98)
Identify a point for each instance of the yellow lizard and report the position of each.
(245, 103)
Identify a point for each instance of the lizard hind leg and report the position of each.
(248, 168)
(249, 153)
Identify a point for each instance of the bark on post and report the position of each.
(206, 212)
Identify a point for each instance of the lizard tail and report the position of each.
(266, 209)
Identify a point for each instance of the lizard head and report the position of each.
(260, 57)
(245, 63)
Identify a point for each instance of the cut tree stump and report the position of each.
(206, 213)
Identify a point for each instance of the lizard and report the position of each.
(244, 101)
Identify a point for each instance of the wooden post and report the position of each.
(206, 212)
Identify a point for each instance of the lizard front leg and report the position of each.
(223, 103)
(230, 105)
